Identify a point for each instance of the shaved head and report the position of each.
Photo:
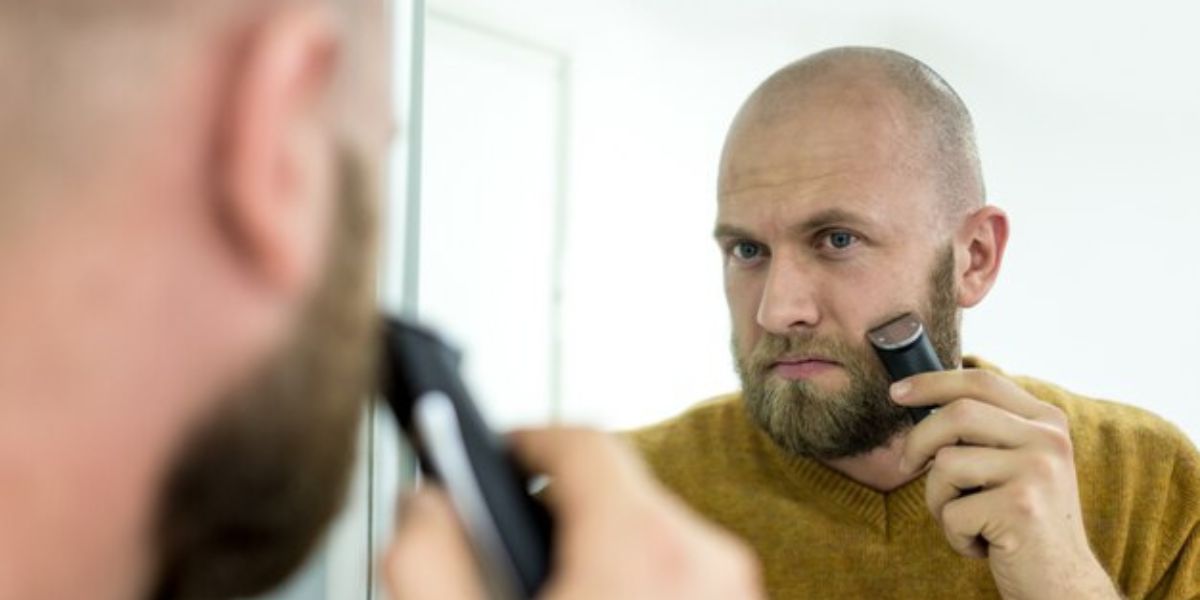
(75, 73)
(913, 105)
(81, 75)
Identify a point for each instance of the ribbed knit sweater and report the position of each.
(820, 534)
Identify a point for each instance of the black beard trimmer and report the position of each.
(905, 351)
(510, 531)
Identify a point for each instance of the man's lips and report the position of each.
(803, 367)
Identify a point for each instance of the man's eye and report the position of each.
(840, 240)
(746, 251)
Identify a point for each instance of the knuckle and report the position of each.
(982, 380)
(1041, 466)
(954, 526)
(957, 541)
(1059, 441)
(947, 462)
(947, 457)
(977, 377)
(960, 412)
(1024, 501)
(949, 517)
(1056, 416)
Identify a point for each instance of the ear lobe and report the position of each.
(984, 237)
(275, 165)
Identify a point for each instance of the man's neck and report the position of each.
(878, 469)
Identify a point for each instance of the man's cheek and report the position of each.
(746, 336)
(743, 306)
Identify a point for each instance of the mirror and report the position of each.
(567, 159)
(571, 151)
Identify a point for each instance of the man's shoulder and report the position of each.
(1105, 425)
(1096, 421)
(1123, 450)
(710, 438)
(691, 428)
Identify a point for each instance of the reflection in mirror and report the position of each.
(1085, 143)
(578, 156)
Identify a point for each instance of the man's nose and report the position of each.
(788, 303)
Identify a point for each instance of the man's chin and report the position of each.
(825, 418)
(832, 383)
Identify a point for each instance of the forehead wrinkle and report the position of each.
(776, 178)
(840, 185)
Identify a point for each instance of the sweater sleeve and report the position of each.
(1181, 579)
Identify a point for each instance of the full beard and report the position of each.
(257, 484)
(806, 420)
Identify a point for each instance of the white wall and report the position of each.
(1087, 122)
(491, 190)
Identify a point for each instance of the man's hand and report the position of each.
(618, 534)
(1012, 453)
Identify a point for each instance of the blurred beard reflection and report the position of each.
(807, 420)
(257, 484)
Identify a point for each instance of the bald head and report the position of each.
(76, 73)
(903, 108)
(85, 77)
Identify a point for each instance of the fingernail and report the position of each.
(903, 465)
(900, 389)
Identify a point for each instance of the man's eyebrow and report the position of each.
(724, 230)
(830, 217)
(822, 220)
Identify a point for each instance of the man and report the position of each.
(850, 193)
(187, 192)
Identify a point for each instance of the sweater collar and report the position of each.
(812, 480)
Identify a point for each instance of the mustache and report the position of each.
(772, 348)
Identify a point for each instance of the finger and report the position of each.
(965, 421)
(964, 520)
(429, 556)
(958, 470)
(943, 387)
(584, 466)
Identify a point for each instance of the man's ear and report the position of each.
(981, 243)
(275, 166)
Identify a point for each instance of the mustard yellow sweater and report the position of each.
(822, 535)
